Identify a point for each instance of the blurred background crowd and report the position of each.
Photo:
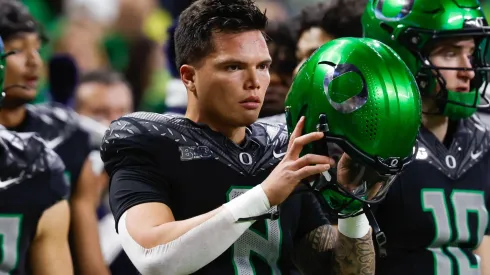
(128, 37)
(132, 38)
(107, 58)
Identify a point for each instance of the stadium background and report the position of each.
(127, 36)
(130, 37)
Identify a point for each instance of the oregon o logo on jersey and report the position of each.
(267, 247)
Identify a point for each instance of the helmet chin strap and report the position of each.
(447, 107)
(452, 104)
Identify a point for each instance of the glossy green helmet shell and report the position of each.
(363, 97)
(410, 27)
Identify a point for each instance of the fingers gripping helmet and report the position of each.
(411, 27)
(364, 98)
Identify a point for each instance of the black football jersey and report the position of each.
(436, 213)
(193, 170)
(64, 132)
(31, 181)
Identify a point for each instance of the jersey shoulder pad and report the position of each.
(270, 133)
(135, 125)
(275, 119)
(479, 129)
(25, 155)
(481, 121)
(56, 119)
(138, 133)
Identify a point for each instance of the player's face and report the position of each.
(309, 41)
(23, 68)
(230, 83)
(104, 103)
(455, 53)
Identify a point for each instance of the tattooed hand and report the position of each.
(326, 251)
(354, 256)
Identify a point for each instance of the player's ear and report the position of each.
(188, 76)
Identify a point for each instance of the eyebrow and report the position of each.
(452, 46)
(240, 62)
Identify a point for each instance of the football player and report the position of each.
(200, 194)
(435, 216)
(59, 127)
(327, 20)
(104, 95)
(34, 213)
(282, 45)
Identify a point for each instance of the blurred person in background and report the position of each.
(436, 214)
(282, 45)
(82, 39)
(103, 95)
(59, 126)
(147, 75)
(176, 93)
(34, 212)
(276, 11)
(326, 21)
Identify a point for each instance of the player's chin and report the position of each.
(248, 117)
(21, 94)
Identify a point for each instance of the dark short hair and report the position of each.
(282, 46)
(15, 18)
(339, 18)
(197, 23)
(106, 77)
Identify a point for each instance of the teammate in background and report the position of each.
(103, 95)
(34, 212)
(180, 187)
(316, 25)
(59, 127)
(325, 21)
(435, 216)
(282, 45)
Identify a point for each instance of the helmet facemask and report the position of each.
(453, 104)
(367, 180)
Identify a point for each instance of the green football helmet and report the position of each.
(411, 27)
(362, 96)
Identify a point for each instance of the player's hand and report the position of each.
(352, 175)
(292, 169)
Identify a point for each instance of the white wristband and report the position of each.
(354, 227)
(252, 203)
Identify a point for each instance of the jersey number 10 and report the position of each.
(463, 202)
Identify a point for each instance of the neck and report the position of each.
(235, 134)
(11, 118)
(437, 125)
